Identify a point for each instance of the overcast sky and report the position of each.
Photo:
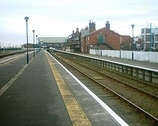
(57, 18)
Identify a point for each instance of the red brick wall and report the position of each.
(112, 38)
(126, 43)
(85, 45)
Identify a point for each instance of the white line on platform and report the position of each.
(7, 85)
(11, 58)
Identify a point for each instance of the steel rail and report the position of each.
(121, 97)
(127, 84)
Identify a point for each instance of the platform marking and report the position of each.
(76, 114)
(7, 85)
(7, 61)
(107, 108)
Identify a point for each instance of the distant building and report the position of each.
(103, 38)
(73, 42)
(149, 38)
(29, 45)
(126, 42)
(90, 38)
(83, 34)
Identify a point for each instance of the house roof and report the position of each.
(52, 39)
(102, 29)
(112, 38)
(84, 32)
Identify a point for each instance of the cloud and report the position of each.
(60, 17)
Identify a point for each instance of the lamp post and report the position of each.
(36, 44)
(36, 38)
(120, 49)
(132, 40)
(33, 42)
(27, 55)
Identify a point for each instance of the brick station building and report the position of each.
(90, 38)
(103, 38)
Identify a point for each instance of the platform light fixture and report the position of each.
(132, 41)
(36, 38)
(33, 42)
(27, 55)
(36, 44)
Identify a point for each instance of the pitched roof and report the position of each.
(52, 39)
(84, 32)
(102, 29)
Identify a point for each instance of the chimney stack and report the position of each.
(72, 31)
(107, 25)
(77, 29)
(86, 28)
(91, 26)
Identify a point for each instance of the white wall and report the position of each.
(138, 55)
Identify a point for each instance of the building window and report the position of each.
(87, 38)
(156, 37)
(142, 31)
(148, 37)
(148, 30)
(101, 38)
(143, 38)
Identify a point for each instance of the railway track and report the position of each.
(10, 53)
(135, 105)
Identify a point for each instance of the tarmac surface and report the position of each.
(33, 98)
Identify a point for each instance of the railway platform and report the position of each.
(44, 93)
(144, 64)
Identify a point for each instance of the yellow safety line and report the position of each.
(76, 114)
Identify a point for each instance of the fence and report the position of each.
(138, 55)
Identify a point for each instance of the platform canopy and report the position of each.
(52, 40)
